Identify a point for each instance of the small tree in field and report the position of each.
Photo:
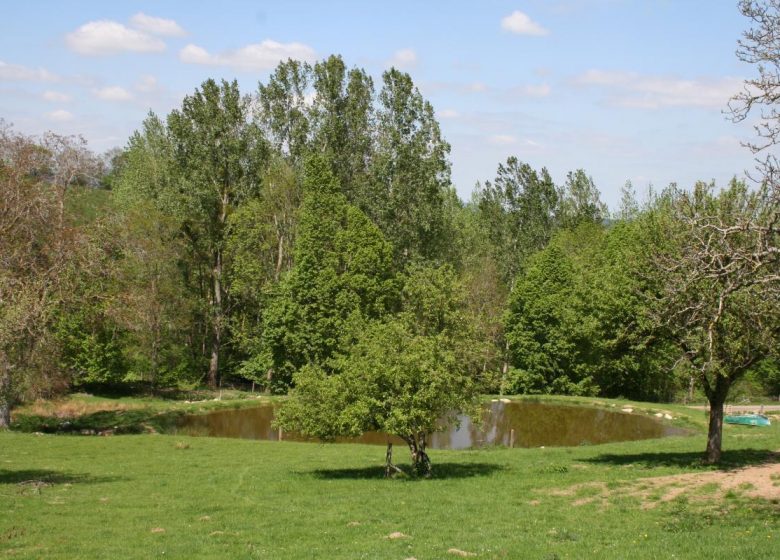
(408, 376)
(721, 281)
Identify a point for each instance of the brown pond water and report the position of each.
(535, 424)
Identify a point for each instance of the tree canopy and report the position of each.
(306, 238)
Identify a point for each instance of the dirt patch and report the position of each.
(759, 481)
(752, 482)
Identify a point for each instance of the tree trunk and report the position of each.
(216, 320)
(390, 468)
(421, 463)
(504, 369)
(5, 395)
(716, 397)
(715, 435)
(5, 413)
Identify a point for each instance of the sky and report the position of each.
(625, 89)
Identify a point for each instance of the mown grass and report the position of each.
(144, 496)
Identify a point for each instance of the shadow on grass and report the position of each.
(730, 459)
(440, 471)
(43, 477)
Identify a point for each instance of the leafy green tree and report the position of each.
(204, 162)
(408, 376)
(342, 276)
(90, 341)
(630, 358)
(220, 155)
(342, 121)
(150, 302)
(130, 313)
(148, 171)
(518, 211)
(580, 201)
(259, 252)
(485, 291)
(283, 110)
(410, 171)
(629, 206)
(579, 317)
(544, 332)
(516, 214)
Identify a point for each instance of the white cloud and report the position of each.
(453, 87)
(448, 114)
(532, 90)
(157, 26)
(109, 37)
(18, 73)
(604, 78)
(509, 140)
(60, 115)
(56, 97)
(113, 93)
(519, 23)
(147, 84)
(630, 89)
(403, 59)
(257, 56)
(502, 139)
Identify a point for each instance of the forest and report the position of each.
(308, 232)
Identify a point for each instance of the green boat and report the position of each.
(747, 419)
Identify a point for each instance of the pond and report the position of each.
(518, 423)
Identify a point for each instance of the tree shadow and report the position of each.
(440, 471)
(730, 459)
(43, 477)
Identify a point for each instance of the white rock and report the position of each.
(628, 409)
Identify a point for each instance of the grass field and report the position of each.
(150, 495)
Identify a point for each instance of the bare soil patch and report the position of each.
(758, 481)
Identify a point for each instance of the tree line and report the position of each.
(307, 237)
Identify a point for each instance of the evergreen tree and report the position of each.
(341, 278)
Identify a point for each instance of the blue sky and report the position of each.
(626, 89)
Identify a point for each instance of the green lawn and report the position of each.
(143, 496)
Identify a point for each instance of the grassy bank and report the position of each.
(88, 414)
(143, 496)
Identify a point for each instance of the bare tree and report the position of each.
(760, 97)
(29, 265)
(69, 163)
(720, 275)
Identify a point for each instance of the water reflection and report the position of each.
(534, 424)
